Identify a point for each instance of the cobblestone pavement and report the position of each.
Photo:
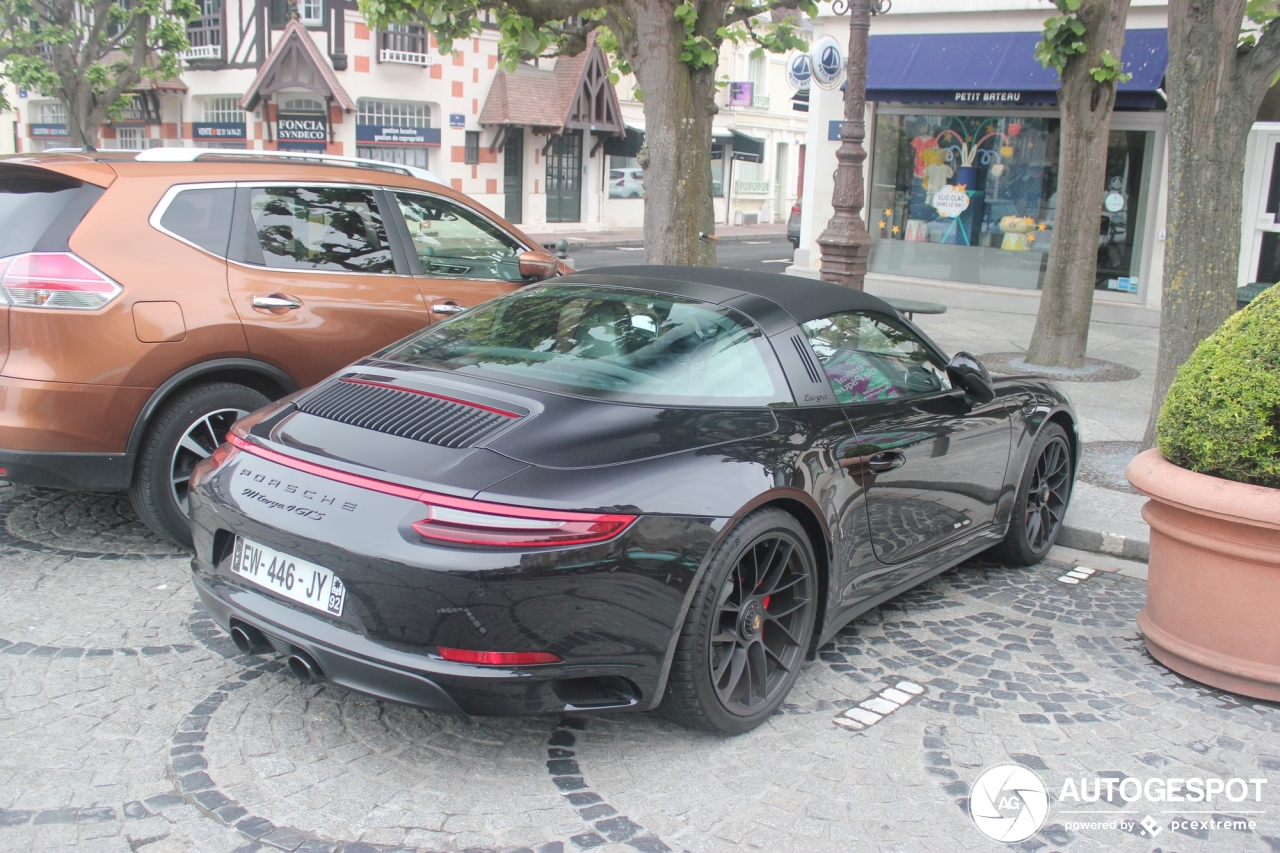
(129, 722)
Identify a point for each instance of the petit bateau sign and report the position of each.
(989, 97)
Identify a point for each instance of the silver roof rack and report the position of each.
(190, 155)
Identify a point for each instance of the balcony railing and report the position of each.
(760, 102)
(205, 37)
(752, 187)
(406, 44)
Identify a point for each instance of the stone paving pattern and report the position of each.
(130, 723)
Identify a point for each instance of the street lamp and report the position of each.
(845, 244)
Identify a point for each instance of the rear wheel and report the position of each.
(747, 631)
(186, 430)
(1041, 504)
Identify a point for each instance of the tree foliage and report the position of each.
(539, 28)
(89, 54)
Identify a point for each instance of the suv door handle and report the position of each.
(886, 461)
(448, 308)
(275, 301)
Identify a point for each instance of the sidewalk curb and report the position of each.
(1102, 542)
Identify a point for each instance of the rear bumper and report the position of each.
(67, 470)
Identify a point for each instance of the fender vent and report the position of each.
(418, 415)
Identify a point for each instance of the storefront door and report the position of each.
(513, 174)
(564, 178)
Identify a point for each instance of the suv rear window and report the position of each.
(628, 345)
(202, 216)
(39, 208)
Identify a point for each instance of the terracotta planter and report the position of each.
(1213, 582)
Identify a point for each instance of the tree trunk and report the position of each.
(1215, 91)
(679, 103)
(1061, 333)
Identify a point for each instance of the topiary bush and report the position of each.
(1222, 413)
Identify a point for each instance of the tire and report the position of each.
(1043, 495)
(202, 414)
(765, 633)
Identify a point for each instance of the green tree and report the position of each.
(90, 54)
(1083, 44)
(671, 46)
(1223, 56)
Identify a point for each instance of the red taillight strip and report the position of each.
(498, 658)
(429, 394)
(399, 491)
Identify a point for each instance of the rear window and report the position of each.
(620, 344)
(39, 208)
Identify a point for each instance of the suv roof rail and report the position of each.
(190, 155)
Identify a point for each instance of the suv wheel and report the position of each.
(187, 429)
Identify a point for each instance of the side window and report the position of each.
(453, 241)
(202, 217)
(320, 228)
(869, 358)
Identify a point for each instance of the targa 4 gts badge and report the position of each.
(273, 493)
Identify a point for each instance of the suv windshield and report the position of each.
(605, 342)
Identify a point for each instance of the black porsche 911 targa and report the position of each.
(638, 487)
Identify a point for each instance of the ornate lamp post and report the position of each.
(845, 244)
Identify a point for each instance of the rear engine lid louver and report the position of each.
(408, 413)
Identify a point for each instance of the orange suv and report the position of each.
(153, 299)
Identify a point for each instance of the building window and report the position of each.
(973, 199)
(758, 73)
(302, 105)
(311, 12)
(471, 153)
(131, 138)
(393, 113)
(205, 31)
(400, 155)
(223, 109)
(52, 112)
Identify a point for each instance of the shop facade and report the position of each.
(962, 174)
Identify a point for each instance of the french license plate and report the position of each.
(303, 582)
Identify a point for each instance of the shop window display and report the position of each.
(973, 199)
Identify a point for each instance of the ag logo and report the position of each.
(1008, 803)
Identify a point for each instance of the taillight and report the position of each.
(498, 525)
(206, 467)
(795, 209)
(462, 521)
(56, 280)
(498, 658)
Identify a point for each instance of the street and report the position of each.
(769, 253)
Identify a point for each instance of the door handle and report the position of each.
(276, 301)
(886, 461)
(448, 308)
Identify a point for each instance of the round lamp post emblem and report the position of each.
(799, 72)
(1008, 803)
(827, 62)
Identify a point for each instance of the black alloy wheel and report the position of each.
(749, 628)
(1043, 495)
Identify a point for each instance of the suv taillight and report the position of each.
(795, 209)
(56, 280)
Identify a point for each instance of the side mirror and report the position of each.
(538, 265)
(965, 371)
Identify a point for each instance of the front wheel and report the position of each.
(751, 621)
(1041, 503)
(189, 428)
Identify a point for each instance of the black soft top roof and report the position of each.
(802, 298)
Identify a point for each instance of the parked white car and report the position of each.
(626, 183)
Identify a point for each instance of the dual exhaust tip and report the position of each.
(250, 641)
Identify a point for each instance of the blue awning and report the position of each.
(998, 69)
